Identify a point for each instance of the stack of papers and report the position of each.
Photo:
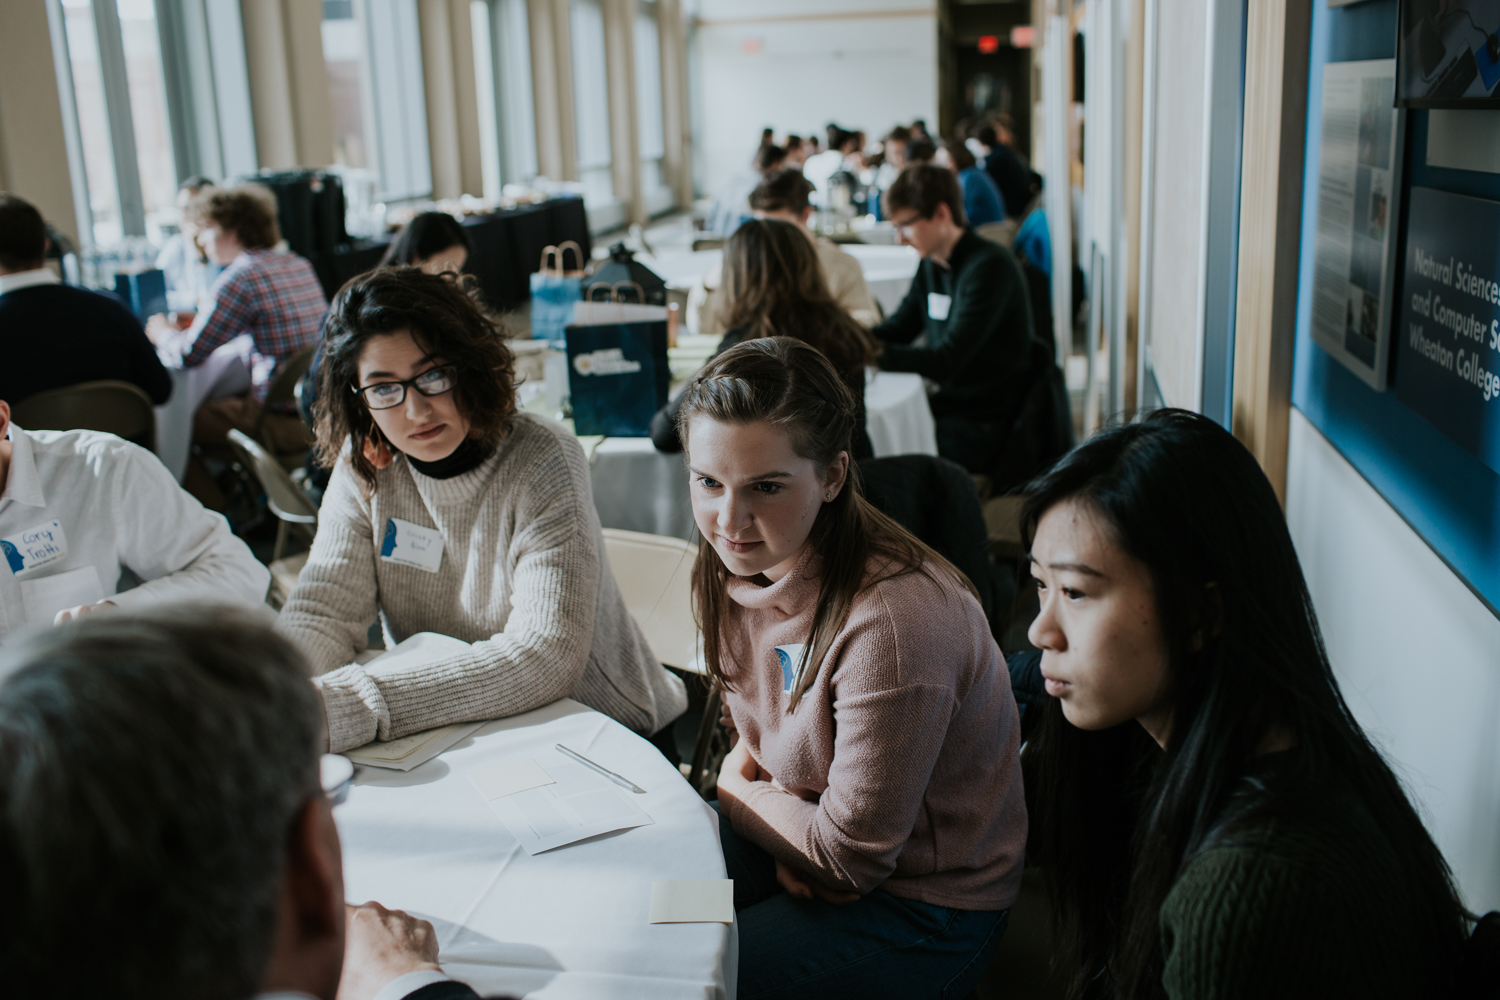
(563, 803)
(411, 751)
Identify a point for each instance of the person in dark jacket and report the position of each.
(969, 299)
(1014, 178)
(54, 335)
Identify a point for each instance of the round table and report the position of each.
(223, 373)
(566, 923)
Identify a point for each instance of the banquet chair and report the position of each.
(283, 389)
(293, 509)
(654, 574)
(110, 405)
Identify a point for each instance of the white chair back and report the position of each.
(654, 574)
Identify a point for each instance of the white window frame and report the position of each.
(502, 75)
(208, 100)
(591, 114)
(658, 198)
(398, 95)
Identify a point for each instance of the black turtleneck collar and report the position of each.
(465, 457)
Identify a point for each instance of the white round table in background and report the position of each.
(224, 373)
(897, 416)
(567, 923)
(889, 271)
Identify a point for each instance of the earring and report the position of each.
(827, 497)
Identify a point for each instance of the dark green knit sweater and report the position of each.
(1306, 907)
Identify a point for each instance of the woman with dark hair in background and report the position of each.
(448, 511)
(1212, 819)
(872, 814)
(434, 241)
(773, 286)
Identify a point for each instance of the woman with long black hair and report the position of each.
(1211, 817)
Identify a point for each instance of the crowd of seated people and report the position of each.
(1208, 817)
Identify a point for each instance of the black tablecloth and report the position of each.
(507, 250)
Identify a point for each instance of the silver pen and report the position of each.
(612, 776)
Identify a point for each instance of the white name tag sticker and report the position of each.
(38, 545)
(938, 305)
(790, 660)
(412, 545)
(43, 597)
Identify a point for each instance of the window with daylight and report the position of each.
(591, 103)
(648, 97)
(502, 76)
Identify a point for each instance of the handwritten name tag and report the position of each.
(790, 658)
(36, 546)
(412, 545)
(938, 305)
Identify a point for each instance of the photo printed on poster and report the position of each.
(1448, 359)
(1358, 185)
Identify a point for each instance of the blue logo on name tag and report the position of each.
(788, 670)
(388, 543)
(13, 557)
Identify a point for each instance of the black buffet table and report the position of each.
(507, 250)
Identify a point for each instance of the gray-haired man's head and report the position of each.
(151, 768)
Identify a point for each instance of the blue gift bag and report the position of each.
(617, 376)
(144, 291)
(554, 291)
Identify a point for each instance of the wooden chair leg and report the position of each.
(280, 540)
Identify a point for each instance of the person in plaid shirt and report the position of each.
(273, 295)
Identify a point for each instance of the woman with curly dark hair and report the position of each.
(448, 511)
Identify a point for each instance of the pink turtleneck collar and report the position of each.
(789, 596)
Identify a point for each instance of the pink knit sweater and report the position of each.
(899, 770)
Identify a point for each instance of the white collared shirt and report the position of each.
(18, 280)
(81, 508)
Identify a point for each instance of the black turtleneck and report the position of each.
(466, 456)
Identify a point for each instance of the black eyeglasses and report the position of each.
(433, 382)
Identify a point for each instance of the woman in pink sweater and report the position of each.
(872, 814)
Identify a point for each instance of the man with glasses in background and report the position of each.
(969, 303)
(166, 822)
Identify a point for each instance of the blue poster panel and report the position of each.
(1448, 360)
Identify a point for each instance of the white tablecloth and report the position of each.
(889, 271)
(897, 415)
(567, 923)
(638, 488)
(223, 374)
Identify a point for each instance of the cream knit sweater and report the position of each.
(523, 578)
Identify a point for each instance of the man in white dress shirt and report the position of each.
(85, 515)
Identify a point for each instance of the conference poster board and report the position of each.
(1359, 185)
(1448, 359)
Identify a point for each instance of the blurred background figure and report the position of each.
(982, 202)
(1016, 181)
(188, 271)
(434, 241)
(785, 196)
(773, 287)
(732, 206)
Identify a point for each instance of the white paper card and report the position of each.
(412, 545)
(938, 305)
(578, 804)
(413, 750)
(508, 778)
(43, 598)
(38, 545)
(693, 901)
